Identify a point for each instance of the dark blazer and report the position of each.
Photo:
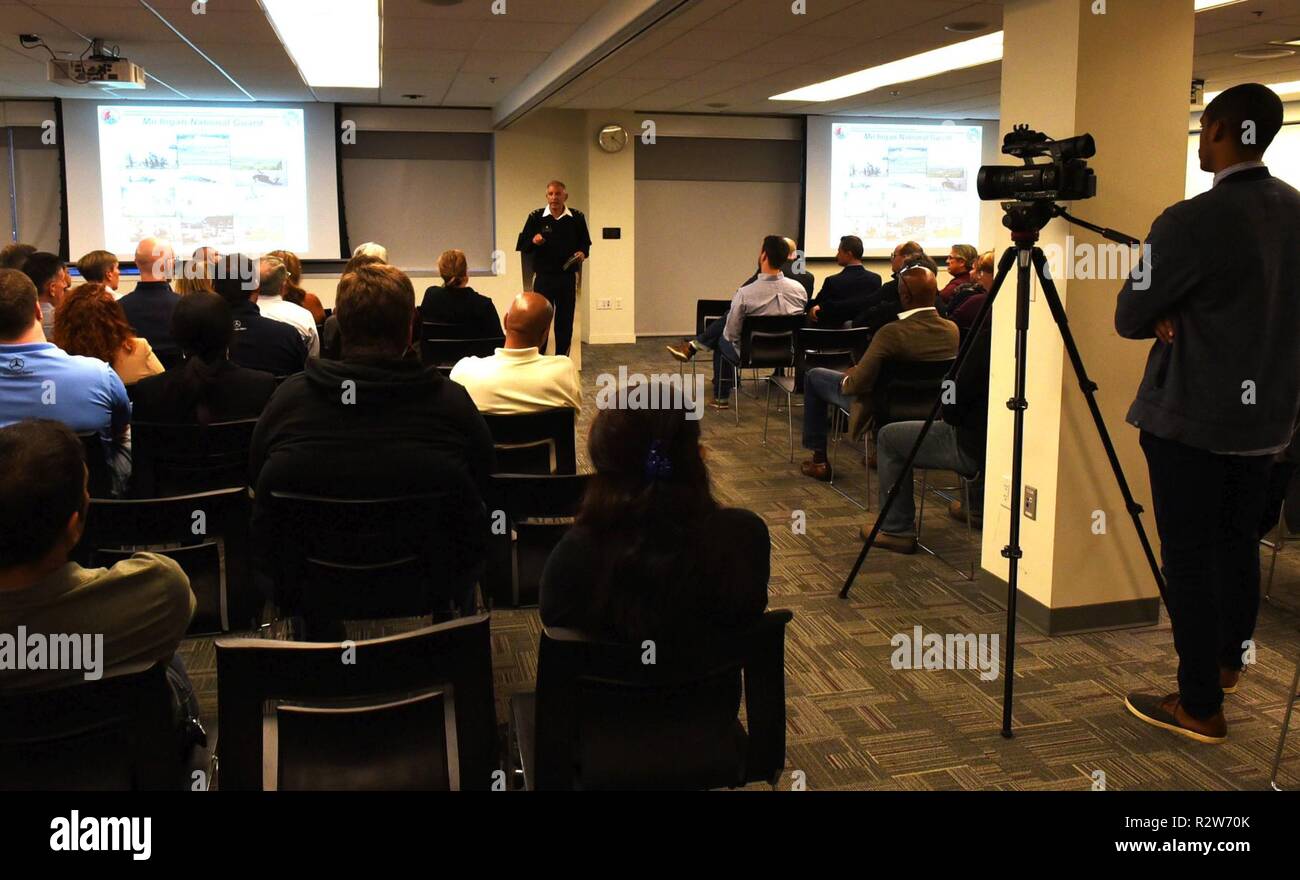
(879, 308)
(461, 305)
(149, 310)
(566, 236)
(844, 295)
(237, 393)
(1222, 267)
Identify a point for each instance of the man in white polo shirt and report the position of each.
(272, 304)
(519, 378)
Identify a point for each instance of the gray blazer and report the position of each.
(1223, 266)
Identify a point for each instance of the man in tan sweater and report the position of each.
(919, 334)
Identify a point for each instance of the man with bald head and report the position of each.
(519, 378)
(150, 305)
(919, 334)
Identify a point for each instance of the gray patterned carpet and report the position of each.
(856, 723)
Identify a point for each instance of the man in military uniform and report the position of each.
(557, 239)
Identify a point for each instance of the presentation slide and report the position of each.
(1282, 158)
(248, 178)
(892, 182)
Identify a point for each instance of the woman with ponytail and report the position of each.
(652, 555)
(207, 387)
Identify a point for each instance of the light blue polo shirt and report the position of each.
(39, 380)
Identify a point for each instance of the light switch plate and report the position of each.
(1031, 502)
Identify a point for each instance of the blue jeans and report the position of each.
(939, 450)
(722, 369)
(821, 390)
(709, 337)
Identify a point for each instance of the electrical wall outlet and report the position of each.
(1006, 491)
(1031, 502)
(602, 304)
(618, 304)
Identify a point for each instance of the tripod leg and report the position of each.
(1089, 389)
(1004, 267)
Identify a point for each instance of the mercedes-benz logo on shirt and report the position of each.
(16, 364)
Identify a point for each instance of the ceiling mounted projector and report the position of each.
(101, 70)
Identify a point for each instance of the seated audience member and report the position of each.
(141, 606)
(331, 344)
(919, 334)
(845, 294)
(100, 267)
(652, 554)
(14, 256)
(90, 322)
(770, 294)
(196, 276)
(961, 268)
(149, 306)
(970, 297)
(883, 306)
(51, 279)
(371, 249)
(376, 424)
(956, 443)
(293, 290)
(271, 303)
(259, 343)
(207, 387)
(788, 269)
(455, 302)
(519, 378)
(39, 380)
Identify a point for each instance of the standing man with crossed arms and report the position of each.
(557, 238)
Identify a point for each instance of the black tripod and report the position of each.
(1025, 219)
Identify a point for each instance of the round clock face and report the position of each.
(612, 138)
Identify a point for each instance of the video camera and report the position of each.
(1066, 178)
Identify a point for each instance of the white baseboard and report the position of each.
(611, 339)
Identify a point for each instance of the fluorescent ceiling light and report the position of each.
(334, 43)
(1282, 89)
(957, 56)
(1202, 5)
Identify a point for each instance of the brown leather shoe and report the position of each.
(1168, 712)
(894, 543)
(683, 352)
(720, 403)
(1229, 680)
(818, 470)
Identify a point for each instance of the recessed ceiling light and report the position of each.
(1263, 54)
(412, 97)
(966, 27)
(334, 43)
(1295, 42)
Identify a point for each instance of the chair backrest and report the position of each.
(173, 459)
(768, 340)
(115, 734)
(439, 330)
(709, 310)
(352, 559)
(607, 719)
(535, 443)
(445, 353)
(101, 477)
(830, 348)
(534, 513)
(907, 390)
(227, 598)
(414, 710)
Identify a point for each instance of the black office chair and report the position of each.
(96, 452)
(338, 559)
(602, 718)
(115, 734)
(765, 341)
(527, 516)
(175, 459)
(445, 353)
(439, 330)
(414, 711)
(706, 312)
(535, 443)
(222, 581)
(904, 391)
(833, 349)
